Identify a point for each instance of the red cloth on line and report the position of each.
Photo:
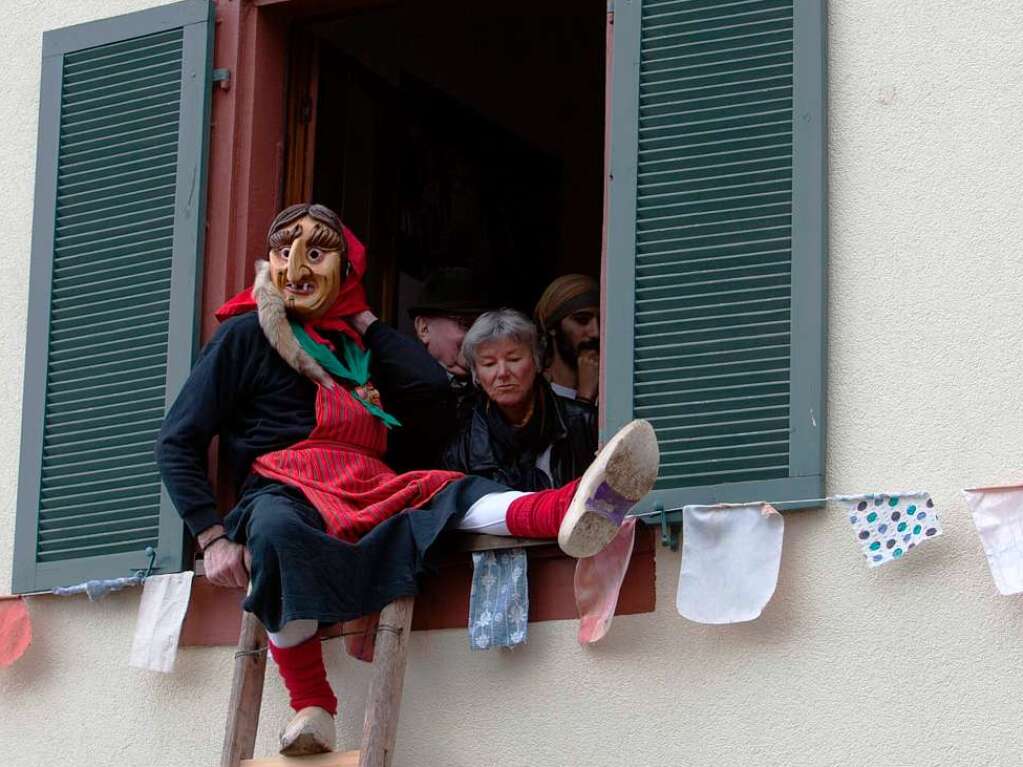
(340, 470)
(304, 675)
(351, 300)
(360, 637)
(15, 630)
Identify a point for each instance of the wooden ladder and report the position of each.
(381, 721)
(390, 654)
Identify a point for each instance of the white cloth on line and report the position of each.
(488, 514)
(730, 559)
(998, 514)
(161, 612)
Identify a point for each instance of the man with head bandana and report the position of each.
(568, 315)
(302, 385)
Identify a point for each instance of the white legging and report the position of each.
(487, 516)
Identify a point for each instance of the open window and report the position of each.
(452, 133)
(445, 133)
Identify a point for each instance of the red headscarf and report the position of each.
(350, 300)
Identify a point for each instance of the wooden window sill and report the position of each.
(214, 614)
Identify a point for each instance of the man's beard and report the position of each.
(569, 353)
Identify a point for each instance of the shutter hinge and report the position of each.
(151, 553)
(669, 533)
(222, 76)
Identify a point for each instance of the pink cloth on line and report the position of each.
(998, 514)
(598, 580)
(15, 630)
(360, 636)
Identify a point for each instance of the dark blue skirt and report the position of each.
(300, 572)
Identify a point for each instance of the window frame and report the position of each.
(249, 157)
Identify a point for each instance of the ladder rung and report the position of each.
(333, 759)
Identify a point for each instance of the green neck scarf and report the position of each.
(353, 366)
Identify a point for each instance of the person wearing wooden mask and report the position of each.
(323, 530)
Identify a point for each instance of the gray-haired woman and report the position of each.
(519, 432)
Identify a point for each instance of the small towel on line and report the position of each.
(998, 514)
(890, 525)
(15, 630)
(730, 559)
(161, 611)
(598, 581)
(498, 599)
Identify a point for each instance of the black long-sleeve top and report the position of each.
(483, 451)
(241, 389)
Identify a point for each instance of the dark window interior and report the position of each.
(462, 134)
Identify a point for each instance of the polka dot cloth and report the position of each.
(890, 526)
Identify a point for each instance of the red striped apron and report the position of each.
(340, 471)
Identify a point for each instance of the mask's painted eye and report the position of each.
(285, 252)
(314, 255)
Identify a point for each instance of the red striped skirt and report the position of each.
(340, 471)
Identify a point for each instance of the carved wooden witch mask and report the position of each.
(307, 259)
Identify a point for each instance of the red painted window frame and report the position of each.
(246, 171)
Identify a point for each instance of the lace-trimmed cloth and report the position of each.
(498, 600)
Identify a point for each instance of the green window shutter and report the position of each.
(117, 237)
(715, 323)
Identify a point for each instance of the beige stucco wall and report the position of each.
(918, 663)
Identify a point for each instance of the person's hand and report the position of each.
(588, 362)
(362, 321)
(226, 563)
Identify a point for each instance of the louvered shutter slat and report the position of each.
(708, 168)
(115, 256)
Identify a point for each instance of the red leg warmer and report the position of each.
(305, 677)
(539, 515)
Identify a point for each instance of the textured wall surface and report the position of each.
(918, 663)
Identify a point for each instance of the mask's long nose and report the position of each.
(297, 267)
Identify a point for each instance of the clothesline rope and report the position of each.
(370, 632)
(800, 501)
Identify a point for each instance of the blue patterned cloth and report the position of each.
(890, 525)
(499, 599)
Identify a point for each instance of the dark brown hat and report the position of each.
(450, 290)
